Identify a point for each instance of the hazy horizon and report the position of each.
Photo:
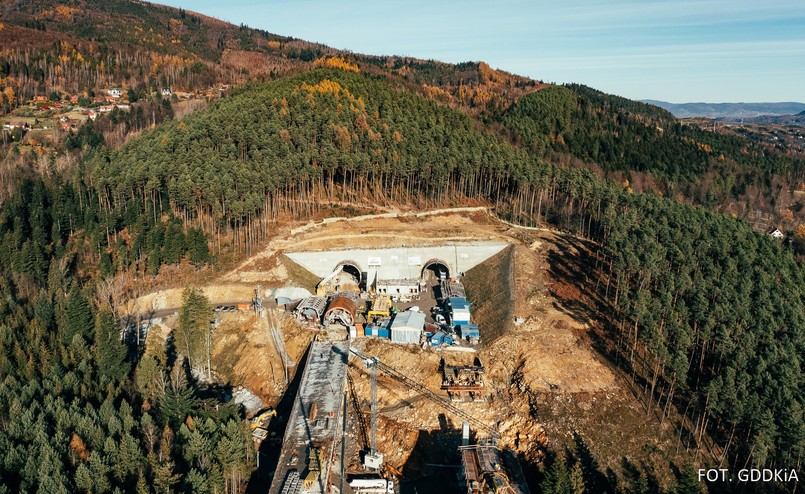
(673, 51)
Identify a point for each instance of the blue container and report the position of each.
(379, 331)
(468, 331)
(437, 339)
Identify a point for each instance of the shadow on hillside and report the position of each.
(433, 466)
(580, 289)
(269, 451)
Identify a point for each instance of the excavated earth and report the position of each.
(548, 388)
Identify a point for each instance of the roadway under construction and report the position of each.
(310, 459)
(312, 455)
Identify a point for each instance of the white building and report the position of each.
(398, 288)
(406, 327)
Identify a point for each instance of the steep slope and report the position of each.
(86, 45)
(298, 143)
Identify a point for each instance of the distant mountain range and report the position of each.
(729, 111)
(798, 119)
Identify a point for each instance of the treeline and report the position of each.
(707, 314)
(624, 135)
(300, 145)
(73, 414)
(45, 221)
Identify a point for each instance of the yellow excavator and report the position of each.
(261, 421)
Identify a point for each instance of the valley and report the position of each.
(228, 257)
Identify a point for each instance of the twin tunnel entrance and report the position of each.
(437, 267)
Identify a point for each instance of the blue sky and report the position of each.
(678, 51)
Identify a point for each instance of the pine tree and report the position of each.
(193, 331)
(110, 352)
(83, 478)
(78, 317)
(688, 482)
(557, 479)
(197, 247)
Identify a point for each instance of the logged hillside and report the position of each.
(305, 142)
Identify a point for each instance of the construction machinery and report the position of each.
(427, 393)
(259, 425)
(381, 307)
(487, 469)
(315, 460)
(464, 381)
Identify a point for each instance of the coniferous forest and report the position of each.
(708, 314)
(705, 313)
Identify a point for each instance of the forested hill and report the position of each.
(705, 313)
(648, 145)
(299, 143)
(83, 47)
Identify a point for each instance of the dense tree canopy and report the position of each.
(707, 313)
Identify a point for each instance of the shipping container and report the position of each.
(469, 331)
(379, 331)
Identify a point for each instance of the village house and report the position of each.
(774, 232)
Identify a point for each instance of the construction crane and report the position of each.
(422, 390)
(373, 459)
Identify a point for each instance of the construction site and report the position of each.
(413, 354)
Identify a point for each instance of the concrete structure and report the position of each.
(406, 327)
(400, 262)
(346, 277)
(309, 459)
(404, 288)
